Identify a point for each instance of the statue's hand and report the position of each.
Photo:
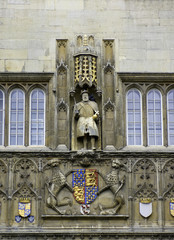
(95, 116)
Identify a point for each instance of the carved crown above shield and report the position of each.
(85, 62)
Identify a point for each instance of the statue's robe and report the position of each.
(86, 124)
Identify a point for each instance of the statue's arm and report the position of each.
(96, 112)
(76, 111)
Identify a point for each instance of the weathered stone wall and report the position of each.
(36, 176)
(143, 31)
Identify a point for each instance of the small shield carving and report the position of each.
(24, 207)
(172, 206)
(145, 207)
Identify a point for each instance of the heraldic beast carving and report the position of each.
(55, 185)
(114, 185)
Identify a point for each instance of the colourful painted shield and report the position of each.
(172, 207)
(146, 207)
(24, 208)
(85, 185)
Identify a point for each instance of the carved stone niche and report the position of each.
(86, 126)
(86, 116)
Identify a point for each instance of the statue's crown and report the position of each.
(84, 91)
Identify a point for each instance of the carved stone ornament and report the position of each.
(108, 67)
(55, 185)
(114, 184)
(109, 105)
(62, 106)
(145, 207)
(145, 191)
(85, 65)
(108, 43)
(61, 65)
(62, 43)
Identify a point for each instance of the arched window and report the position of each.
(16, 128)
(37, 117)
(170, 116)
(2, 109)
(154, 117)
(134, 116)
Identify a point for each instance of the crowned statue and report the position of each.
(86, 114)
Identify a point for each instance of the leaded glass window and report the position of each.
(16, 128)
(170, 116)
(2, 109)
(154, 117)
(134, 117)
(37, 117)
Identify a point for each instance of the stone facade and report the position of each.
(62, 48)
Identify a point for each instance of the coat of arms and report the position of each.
(85, 185)
(24, 207)
(146, 207)
(172, 206)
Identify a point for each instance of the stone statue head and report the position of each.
(85, 96)
(116, 163)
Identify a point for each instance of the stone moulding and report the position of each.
(26, 77)
(100, 217)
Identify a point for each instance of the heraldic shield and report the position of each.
(172, 206)
(24, 207)
(85, 185)
(145, 207)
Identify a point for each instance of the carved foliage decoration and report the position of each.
(144, 172)
(108, 43)
(145, 191)
(25, 171)
(3, 178)
(25, 191)
(168, 179)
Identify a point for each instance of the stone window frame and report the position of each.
(164, 82)
(26, 82)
